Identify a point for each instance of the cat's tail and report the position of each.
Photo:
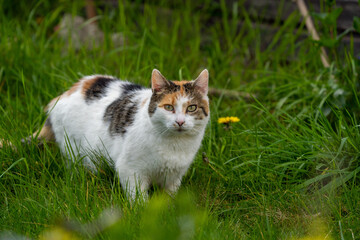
(44, 134)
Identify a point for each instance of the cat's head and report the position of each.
(180, 107)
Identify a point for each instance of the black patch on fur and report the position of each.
(131, 87)
(157, 96)
(205, 113)
(189, 87)
(191, 90)
(121, 113)
(98, 88)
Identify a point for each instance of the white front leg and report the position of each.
(134, 184)
(172, 185)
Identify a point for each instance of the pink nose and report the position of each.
(180, 122)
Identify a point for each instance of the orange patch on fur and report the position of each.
(73, 89)
(87, 84)
(169, 99)
(181, 82)
(45, 133)
(205, 105)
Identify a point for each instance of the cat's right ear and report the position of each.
(158, 81)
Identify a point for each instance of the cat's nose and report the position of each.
(180, 122)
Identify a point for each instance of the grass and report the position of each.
(288, 170)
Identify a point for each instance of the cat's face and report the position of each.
(179, 107)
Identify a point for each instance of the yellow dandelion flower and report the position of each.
(227, 120)
(234, 119)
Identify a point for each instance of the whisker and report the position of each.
(162, 132)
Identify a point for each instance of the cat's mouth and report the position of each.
(180, 129)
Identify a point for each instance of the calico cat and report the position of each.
(151, 135)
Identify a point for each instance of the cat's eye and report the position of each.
(191, 108)
(168, 107)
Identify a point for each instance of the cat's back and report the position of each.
(93, 90)
(82, 111)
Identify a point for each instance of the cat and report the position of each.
(151, 135)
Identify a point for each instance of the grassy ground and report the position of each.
(288, 170)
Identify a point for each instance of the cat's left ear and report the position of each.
(201, 83)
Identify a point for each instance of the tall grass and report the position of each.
(291, 163)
